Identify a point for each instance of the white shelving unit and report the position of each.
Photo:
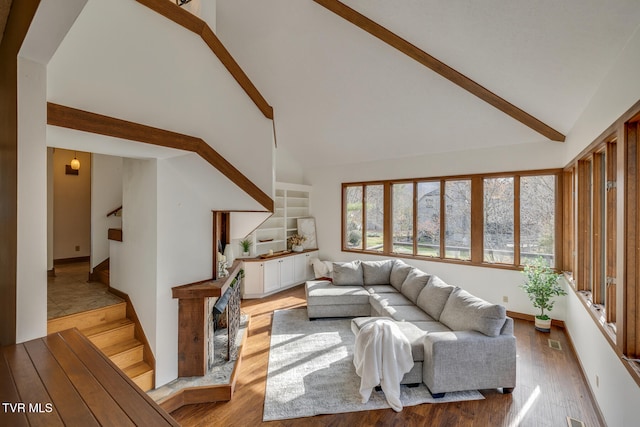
(291, 202)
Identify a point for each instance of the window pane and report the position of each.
(429, 219)
(353, 226)
(402, 218)
(537, 218)
(458, 219)
(498, 220)
(374, 208)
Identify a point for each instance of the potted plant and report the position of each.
(541, 285)
(246, 246)
(296, 242)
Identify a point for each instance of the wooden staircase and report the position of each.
(115, 334)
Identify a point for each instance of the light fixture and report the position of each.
(75, 163)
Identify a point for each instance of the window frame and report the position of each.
(476, 217)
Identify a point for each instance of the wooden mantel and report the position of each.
(192, 321)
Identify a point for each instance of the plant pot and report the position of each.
(543, 325)
(245, 254)
(297, 248)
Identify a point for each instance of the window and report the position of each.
(596, 238)
(374, 208)
(402, 219)
(353, 221)
(538, 218)
(428, 222)
(495, 219)
(363, 223)
(457, 230)
(498, 220)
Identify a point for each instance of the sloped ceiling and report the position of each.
(341, 96)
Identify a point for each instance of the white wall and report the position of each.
(167, 241)
(488, 283)
(134, 260)
(288, 169)
(155, 72)
(616, 392)
(71, 206)
(619, 91)
(106, 195)
(31, 269)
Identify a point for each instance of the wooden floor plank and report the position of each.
(140, 407)
(65, 398)
(9, 395)
(104, 408)
(549, 387)
(30, 388)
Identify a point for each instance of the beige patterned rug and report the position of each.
(311, 371)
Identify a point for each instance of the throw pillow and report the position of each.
(414, 283)
(434, 296)
(399, 273)
(348, 273)
(464, 312)
(377, 272)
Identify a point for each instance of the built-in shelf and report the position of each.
(291, 203)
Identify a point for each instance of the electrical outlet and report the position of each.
(77, 248)
(505, 299)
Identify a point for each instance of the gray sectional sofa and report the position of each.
(458, 341)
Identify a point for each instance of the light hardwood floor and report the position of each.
(550, 387)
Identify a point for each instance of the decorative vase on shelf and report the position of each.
(297, 248)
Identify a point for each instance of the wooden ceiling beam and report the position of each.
(440, 67)
(73, 118)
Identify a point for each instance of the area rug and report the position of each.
(311, 371)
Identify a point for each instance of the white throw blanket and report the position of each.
(382, 355)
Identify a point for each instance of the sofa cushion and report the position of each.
(378, 301)
(430, 326)
(323, 292)
(377, 272)
(348, 273)
(414, 283)
(381, 289)
(434, 296)
(399, 272)
(464, 312)
(414, 335)
(406, 313)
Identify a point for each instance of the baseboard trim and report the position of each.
(531, 318)
(71, 260)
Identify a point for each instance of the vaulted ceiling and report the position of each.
(341, 96)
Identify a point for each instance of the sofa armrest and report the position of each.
(468, 360)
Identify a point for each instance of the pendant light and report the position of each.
(75, 163)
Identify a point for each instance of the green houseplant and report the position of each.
(541, 285)
(246, 246)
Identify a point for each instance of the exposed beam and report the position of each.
(196, 25)
(72, 118)
(439, 67)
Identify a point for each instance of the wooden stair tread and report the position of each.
(137, 369)
(122, 347)
(106, 327)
